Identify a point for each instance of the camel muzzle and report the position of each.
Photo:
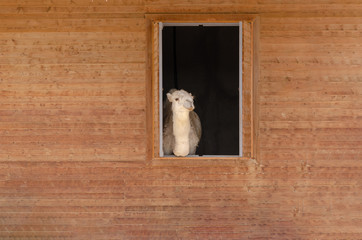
(189, 105)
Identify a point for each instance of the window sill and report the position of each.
(194, 161)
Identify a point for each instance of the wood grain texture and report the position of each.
(75, 126)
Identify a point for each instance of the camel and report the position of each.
(182, 126)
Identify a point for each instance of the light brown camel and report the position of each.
(182, 126)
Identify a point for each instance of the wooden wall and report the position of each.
(73, 139)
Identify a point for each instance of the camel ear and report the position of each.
(169, 96)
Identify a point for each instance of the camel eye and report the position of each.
(176, 99)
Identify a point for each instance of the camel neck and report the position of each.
(181, 131)
(181, 116)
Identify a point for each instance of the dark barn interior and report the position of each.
(204, 60)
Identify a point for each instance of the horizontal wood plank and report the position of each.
(74, 147)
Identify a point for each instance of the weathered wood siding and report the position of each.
(73, 130)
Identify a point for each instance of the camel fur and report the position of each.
(182, 126)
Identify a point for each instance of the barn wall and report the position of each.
(73, 130)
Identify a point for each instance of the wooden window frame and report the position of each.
(250, 74)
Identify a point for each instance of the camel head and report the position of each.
(181, 100)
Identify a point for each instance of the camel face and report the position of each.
(181, 101)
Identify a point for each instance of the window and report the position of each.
(213, 60)
(205, 60)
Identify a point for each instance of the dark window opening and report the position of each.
(204, 60)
